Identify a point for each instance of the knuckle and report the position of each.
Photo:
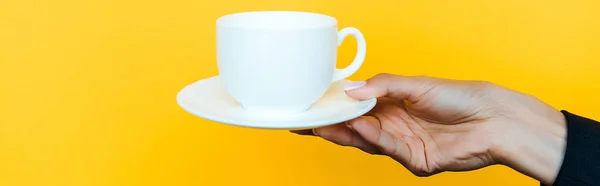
(488, 90)
(383, 80)
(485, 84)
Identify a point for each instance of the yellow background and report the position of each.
(88, 86)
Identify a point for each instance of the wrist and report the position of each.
(535, 145)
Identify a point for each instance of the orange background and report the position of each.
(88, 87)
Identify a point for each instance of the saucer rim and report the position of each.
(371, 104)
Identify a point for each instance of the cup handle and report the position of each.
(340, 74)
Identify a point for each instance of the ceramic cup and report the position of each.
(281, 62)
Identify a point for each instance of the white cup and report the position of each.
(281, 62)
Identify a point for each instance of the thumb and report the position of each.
(391, 86)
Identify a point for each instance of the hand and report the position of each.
(432, 125)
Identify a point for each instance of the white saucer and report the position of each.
(208, 99)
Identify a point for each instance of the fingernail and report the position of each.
(314, 131)
(348, 125)
(354, 85)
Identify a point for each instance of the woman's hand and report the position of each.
(432, 125)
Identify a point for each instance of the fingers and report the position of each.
(400, 148)
(369, 129)
(305, 132)
(392, 86)
(342, 135)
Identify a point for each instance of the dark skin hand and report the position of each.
(432, 125)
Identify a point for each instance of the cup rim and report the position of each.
(327, 21)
